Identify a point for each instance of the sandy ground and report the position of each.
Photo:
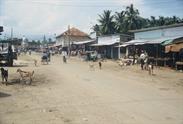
(73, 94)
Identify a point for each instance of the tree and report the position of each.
(153, 21)
(132, 17)
(120, 22)
(129, 19)
(39, 42)
(161, 21)
(106, 23)
(96, 29)
(26, 40)
(49, 40)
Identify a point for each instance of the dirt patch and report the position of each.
(180, 83)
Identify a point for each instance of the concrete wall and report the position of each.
(108, 39)
(160, 33)
(64, 40)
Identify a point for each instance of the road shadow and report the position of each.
(14, 81)
(4, 95)
(4, 65)
(38, 79)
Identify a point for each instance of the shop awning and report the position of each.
(122, 45)
(173, 47)
(136, 42)
(83, 42)
(103, 44)
(57, 45)
(170, 40)
(163, 41)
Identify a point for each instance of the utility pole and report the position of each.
(10, 51)
(11, 33)
(69, 48)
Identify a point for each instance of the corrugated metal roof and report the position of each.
(103, 44)
(84, 42)
(162, 41)
(136, 42)
(122, 45)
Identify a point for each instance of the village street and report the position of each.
(73, 94)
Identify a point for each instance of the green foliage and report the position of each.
(49, 40)
(106, 20)
(129, 19)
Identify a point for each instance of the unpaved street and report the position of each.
(74, 94)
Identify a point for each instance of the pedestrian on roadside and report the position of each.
(100, 65)
(142, 57)
(29, 52)
(49, 56)
(64, 56)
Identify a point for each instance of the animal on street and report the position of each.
(4, 75)
(91, 66)
(25, 74)
(151, 69)
(100, 64)
(35, 62)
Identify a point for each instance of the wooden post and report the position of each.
(69, 41)
(119, 52)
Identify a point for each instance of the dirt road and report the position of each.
(73, 94)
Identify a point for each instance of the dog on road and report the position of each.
(35, 62)
(25, 74)
(150, 68)
(100, 64)
(4, 75)
(91, 66)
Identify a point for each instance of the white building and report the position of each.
(71, 36)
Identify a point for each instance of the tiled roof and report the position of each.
(74, 32)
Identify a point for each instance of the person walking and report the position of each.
(64, 56)
(100, 65)
(142, 57)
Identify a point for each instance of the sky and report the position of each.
(36, 18)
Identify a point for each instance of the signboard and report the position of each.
(109, 39)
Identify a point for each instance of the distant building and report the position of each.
(1, 29)
(72, 35)
(109, 45)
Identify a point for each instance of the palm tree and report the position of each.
(131, 15)
(175, 19)
(161, 21)
(107, 23)
(96, 28)
(153, 21)
(120, 22)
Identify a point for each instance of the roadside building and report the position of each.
(154, 41)
(108, 45)
(71, 36)
(33, 45)
(83, 45)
